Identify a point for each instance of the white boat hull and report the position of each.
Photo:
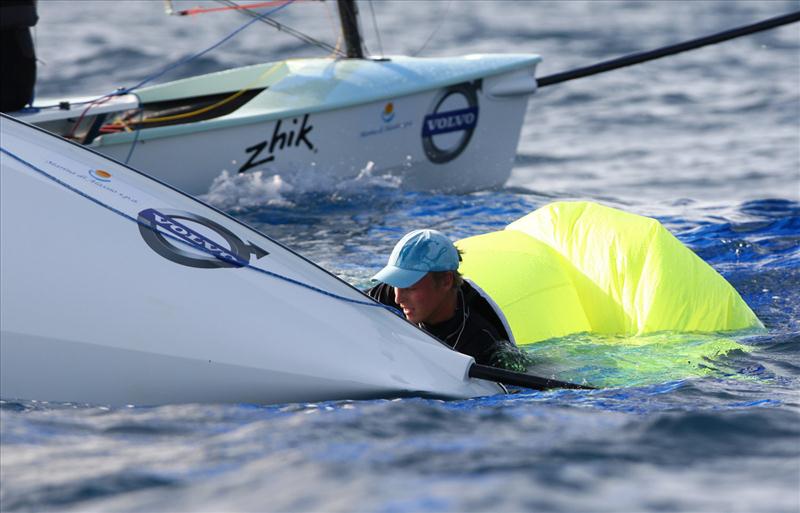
(340, 145)
(447, 124)
(105, 298)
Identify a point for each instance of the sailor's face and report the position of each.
(424, 301)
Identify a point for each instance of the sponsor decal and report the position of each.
(98, 178)
(450, 122)
(283, 137)
(99, 174)
(226, 251)
(388, 113)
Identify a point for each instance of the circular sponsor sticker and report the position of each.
(388, 112)
(450, 122)
(192, 240)
(99, 174)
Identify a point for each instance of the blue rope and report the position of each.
(201, 248)
(135, 138)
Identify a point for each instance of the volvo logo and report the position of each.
(170, 234)
(450, 122)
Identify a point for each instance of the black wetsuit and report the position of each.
(18, 74)
(474, 329)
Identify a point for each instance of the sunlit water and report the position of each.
(707, 142)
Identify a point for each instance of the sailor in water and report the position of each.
(422, 280)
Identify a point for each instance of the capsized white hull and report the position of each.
(106, 297)
(444, 124)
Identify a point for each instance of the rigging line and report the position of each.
(434, 31)
(185, 60)
(94, 103)
(375, 24)
(200, 10)
(637, 58)
(135, 138)
(198, 247)
(212, 47)
(285, 28)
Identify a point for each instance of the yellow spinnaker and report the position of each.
(572, 267)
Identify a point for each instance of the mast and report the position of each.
(348, 13)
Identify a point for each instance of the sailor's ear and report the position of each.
(449, 279)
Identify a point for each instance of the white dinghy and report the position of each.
(117, 289)
(436, 123)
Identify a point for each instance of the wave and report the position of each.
(56, 496)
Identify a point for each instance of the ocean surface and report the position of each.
(708, 142)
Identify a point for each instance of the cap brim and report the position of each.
(397, 277)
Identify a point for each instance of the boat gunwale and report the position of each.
(236, 118)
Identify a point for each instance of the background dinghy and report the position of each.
(448, 123)
(572, 267)
(436, 123)
(118, 289)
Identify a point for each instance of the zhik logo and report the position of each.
(279, 141)
(208, 254)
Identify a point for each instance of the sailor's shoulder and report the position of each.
(487, 315)
(482, 329)
(382, 293)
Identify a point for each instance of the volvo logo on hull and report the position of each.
(451, 120)
(168, 233)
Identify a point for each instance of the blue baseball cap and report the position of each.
(415, 255)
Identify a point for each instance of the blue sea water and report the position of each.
(708, 142)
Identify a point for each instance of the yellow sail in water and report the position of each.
(573, 267)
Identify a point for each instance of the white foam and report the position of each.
(366, 178)
(235, 192)
(246, 190)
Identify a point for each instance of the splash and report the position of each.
(322, 180)
(238, 192)
(247, 190)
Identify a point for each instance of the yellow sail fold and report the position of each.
(572, 267)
